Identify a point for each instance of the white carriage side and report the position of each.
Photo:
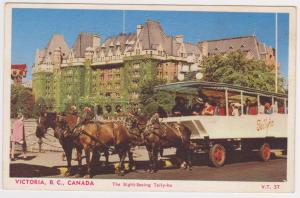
(217, 133)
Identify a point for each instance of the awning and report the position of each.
(193, 88)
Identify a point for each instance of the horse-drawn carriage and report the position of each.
(251, 129)
(239, 121)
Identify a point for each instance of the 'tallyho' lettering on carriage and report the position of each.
(142, 185)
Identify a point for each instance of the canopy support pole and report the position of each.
(285, 107)
(226, 101)
(242, 104)
(258, 104)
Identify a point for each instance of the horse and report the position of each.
(165, 135)
(97, 137)
(49, 120)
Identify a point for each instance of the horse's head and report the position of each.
(45, 121)
(136, 123)
(61, 127)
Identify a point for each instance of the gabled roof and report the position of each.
(246, 43)
(56, 41)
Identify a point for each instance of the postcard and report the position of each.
(163, 98)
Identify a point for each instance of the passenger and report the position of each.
(73, 110)
(261, 109)
(87, 115)
(119, 115)
(222, 109)
(99, 113)
(268, 108)
(246, 106)
(162, 113)
(235, 109)
(253, 108)
(281, 108)
(108, 113)
(197, 107)
(179, 108)
(208, 109)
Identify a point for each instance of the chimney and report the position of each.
(138, 29)
(96, 41)
(204, 48)
(179, 38)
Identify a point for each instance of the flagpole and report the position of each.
(276, 53)
(124, 21)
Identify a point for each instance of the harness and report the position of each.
(78, 130)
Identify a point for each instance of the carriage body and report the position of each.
(232, 127)
(219, 135)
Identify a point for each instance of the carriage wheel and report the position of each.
(265, 152)
(217, 155)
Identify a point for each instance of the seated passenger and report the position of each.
(179, 108)
(208, 109)
(268, 108)
(222, 110)
(197, 106)
(281, 108)
(235, 109)
(252, 108)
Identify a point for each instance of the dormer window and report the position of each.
(230, 47)
(216, 49)
(242, 46)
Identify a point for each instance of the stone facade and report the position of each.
(113, 70)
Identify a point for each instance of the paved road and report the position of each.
(238, 168)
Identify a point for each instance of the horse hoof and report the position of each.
(87, 177)
(133, 168)
(122, 173)
(77, 175)
(67, 174)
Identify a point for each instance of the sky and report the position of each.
(32, 28)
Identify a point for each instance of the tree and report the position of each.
(150, 99)
(235, 68)
(21, 101)
(39, 106)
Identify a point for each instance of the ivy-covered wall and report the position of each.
(136, 71)
(84, 84)
(42, 85)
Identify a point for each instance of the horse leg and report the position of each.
(131, 161)
(87, 152)
(68, 152)
(154, 160)
(94, 161)
(106, 154)
(79, 159)
(122, 159)
(150, 158)
(189, 157)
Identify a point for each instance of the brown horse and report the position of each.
(49, 120)
(158, 136)
(97, 137)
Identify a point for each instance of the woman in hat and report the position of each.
(18, 136)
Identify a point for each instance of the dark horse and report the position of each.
(158, 136)
(97, 137)
(49, 120)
